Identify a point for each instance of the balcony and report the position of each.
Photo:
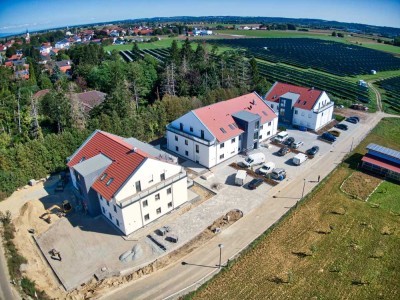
(323, 108)
(131, 199)
(190, 136)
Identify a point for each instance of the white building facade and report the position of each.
(302, 107)
(215, 133)
(130, 187)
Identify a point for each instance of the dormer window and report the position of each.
(103, 176)
(82, 159)
(223, 130)
(109, 181)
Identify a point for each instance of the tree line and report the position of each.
(143, 96)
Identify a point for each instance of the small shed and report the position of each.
(373, 72)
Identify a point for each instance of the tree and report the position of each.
(174, 53)
(334, 33)
(396, 41)
(11, 51)
(45, 82)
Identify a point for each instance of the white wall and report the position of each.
(190, 120)
(273, 105)
(269, 127)
(149, 174)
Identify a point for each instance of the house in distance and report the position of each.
(212, 134)
(305, 108)
(130, 182)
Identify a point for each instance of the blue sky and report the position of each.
(17, 15)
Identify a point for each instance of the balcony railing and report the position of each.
(131, 199)
(325, 107)
(190, 136)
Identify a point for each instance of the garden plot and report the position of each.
(360, 185)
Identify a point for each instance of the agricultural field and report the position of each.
(331, 247)
(345, 91)
(327, 56)
(390, 93)
(163, 43)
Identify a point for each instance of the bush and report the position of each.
(28, 286)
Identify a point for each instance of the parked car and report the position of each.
(266, 168)
(351, 120)
(289, 141)
(342, 126)
(299, 159)
(283, 151)
(355, 117)
(297, 144)
(254, 159)
(313, 150)
(281, 136)
(278, 174)
(255, 183)
(334, 133)
(329, 137)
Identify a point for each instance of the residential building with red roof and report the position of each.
(382, 161)
(129, 182)
(215, 133)
(90, 99)
(306, 108)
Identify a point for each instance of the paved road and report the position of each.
(6, 292)
(178, 279)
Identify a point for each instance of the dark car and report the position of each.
(289, 141)
(283, 151)
(355, 117)
(342, 126)
(255, 183)
(312, 151)
(351, 120)
(334, 133)
(329, 137)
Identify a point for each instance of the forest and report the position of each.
(38, 134)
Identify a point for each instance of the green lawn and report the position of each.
(383, 47)
(387, 196)
(163, 43)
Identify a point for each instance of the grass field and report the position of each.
(383, 47)
(331, 247)
(163, 43)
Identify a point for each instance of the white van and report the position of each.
(254, 159)
(240, 177)
(299, 159)
(281, 136)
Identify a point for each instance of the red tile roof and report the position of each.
(124, 158)
(219, 115)
(381, 163)
(307, 95)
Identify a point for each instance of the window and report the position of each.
(104, 211)
(147, 217)
(221, 156)
(103, 176)
(176, 148)
(296, 111)
(269, 133)
(302, 113)
(117, 222)
(176, 138)
(158, 211)
(260, 136)
(202, 134)
(233, 140)
(309, 115)
(138, 186)
(100, 197)
(240, 137)
(145, 203)
(169, 191)
(197, 148)
(231, 126)
(283, 102)
(257, 124)
(272, 106)
(191, 129)
(223, 130)
(262, 126)
(264, 112)
(109, 181)
(255, 135)
(115, 208)
(186, 142)
(110, 216)
(187, 153)
(108, 203)
(162, 176)
(269, 123)
(157, 196)
(169, 204)
(181, 126)
(151, 179)
(222, 145)
(82, 159)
